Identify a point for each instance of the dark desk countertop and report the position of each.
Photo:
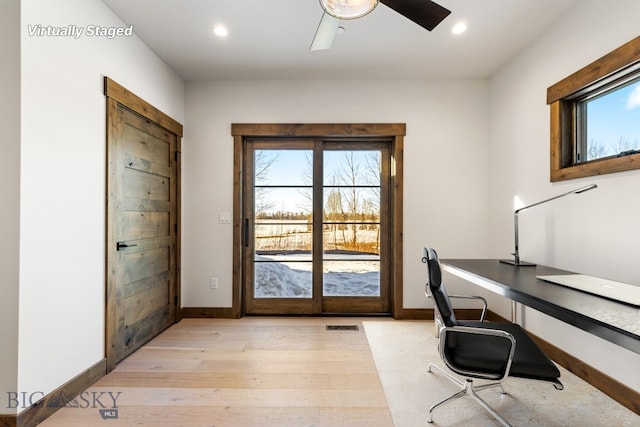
(613, 321)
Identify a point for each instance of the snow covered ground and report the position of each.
(293, 279)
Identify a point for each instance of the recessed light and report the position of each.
(459, 28)
(220, 31)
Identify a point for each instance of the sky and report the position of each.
(615, 116)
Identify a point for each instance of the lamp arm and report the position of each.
(578, 191)
(516, 252)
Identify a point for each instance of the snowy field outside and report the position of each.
(296, 235)
(290, 276)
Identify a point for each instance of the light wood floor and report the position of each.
(246, 372)
(277, 372)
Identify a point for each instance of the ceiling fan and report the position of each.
(423, 12)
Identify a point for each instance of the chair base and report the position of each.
(468, 388)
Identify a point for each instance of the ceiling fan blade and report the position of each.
(425, 13)
(325, 33)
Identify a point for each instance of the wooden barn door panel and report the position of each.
(142, 231)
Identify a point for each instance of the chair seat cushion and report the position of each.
(471, 352)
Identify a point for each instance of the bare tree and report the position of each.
(625, 144)
(333, 209)
(307, 178)
(262, 163)
(373, 169)
(352, 193)
(596, 150)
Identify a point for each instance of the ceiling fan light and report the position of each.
(348, 9)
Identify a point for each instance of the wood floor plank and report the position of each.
(149, 353)
(215, 396)
(288, 366)
(239, 380)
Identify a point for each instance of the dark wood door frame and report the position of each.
(117, 95)
(393, 131)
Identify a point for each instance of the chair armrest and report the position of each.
(484, 303)
(478, 331)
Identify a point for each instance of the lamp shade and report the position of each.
(348, 9)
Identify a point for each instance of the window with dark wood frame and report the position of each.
(563, 97)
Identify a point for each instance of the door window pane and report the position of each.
(349, 204)
(352, 167)
(351, 238)
(283, 229)
(283, 204)
(278, 237)
(274, 279)
(283, 167)
(351, 223)
(351, 276)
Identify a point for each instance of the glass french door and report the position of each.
(315, 227)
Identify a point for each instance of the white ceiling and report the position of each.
(271, 39)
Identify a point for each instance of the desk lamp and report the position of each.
(516, 254)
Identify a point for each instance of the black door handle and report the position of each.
(122, 245)
(246, 232)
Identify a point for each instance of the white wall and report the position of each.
(594, 233)
(445, 165)
(9, 195)
(63, 169)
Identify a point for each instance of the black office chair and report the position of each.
(485, 350)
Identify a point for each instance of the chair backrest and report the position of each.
(438, 292)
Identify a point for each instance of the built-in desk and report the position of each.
(616, 322)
